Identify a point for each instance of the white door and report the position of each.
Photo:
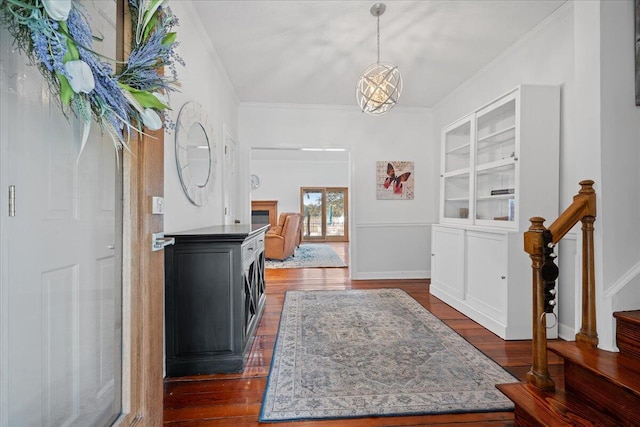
(230, 179)
(61, 317)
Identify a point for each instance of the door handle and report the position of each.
(158, 242)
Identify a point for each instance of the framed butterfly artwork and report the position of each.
(394, 180)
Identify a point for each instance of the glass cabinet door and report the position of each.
(496, 161)
(456, 169)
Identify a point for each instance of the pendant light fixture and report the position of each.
(380, 84)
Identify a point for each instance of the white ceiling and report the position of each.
(313, 51)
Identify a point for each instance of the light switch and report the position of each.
(157, 205)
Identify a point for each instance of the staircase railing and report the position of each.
(539, 243)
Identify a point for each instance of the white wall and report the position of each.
(202, 80)
(389, 238)
(608, 133)
(619, 209)
(620, 142)
(281, 179)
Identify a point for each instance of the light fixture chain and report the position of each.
(378, 38)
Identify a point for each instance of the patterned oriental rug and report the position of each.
(309, 255)
(362, 353)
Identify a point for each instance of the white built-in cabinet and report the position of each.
(499, 167)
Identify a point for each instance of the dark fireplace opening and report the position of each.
(260, 217)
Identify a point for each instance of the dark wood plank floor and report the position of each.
(235, 399)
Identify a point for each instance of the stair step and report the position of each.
(609, 382)
(628, 332)
(535, 408)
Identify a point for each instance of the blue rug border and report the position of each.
(273, 260)
(407, 414)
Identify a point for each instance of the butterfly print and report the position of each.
(395, 180)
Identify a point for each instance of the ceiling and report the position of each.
(313, 51)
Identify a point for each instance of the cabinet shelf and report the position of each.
(455, 173)
(497, 137)
(456, 199)
(499, 166)
(497, 197)
(459, 150)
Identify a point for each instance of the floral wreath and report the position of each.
(56, 37)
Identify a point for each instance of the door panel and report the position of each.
(61, 288)
(230, 179)
(336, 214)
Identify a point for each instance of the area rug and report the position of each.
(309, 255)
(362, 353)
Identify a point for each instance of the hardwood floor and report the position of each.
(235, 399)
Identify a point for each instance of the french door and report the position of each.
(325, 213)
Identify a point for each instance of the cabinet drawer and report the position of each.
(252, 247)
(259, 244)
(249, 249)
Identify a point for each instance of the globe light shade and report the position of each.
(379, 88)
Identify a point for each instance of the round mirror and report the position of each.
(194, 149)
(198, 154)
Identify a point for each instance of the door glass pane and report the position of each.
(457, 148)
(456, 196)
(312, 215)
(335, 213)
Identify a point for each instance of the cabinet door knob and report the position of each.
(503, 277)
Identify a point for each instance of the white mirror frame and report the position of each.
(190, 114)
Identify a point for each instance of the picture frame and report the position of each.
(394, 180)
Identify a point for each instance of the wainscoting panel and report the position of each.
(392, 251)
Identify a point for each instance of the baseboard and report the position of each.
(566, 332)
(385, 275)
(469, 311)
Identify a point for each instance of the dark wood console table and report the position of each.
(214, 297)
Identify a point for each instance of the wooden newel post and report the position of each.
(582, 209)
(588, 332)
(533, 245)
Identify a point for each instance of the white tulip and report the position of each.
(58, 10)
(151, 119)
(80, 76)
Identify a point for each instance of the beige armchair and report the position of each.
(278, 228)
(281, 241)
